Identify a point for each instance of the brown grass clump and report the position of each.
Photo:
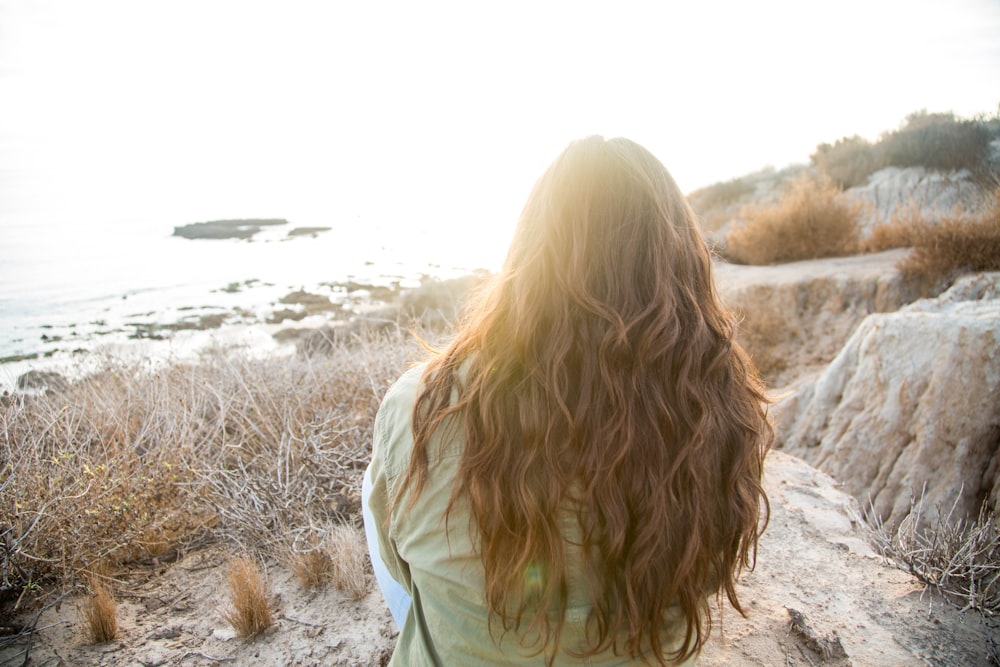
(809, 221)
(942, 248)
(311, 568)
(250, 612)
(349, 556)
(100, 615)
(340, 558)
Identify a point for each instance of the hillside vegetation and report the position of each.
(133, 464)
(805, 213)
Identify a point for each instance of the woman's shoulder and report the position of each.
(405, 388)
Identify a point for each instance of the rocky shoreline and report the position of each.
(307, 319)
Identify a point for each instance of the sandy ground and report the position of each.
(854, 608)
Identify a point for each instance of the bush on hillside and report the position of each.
(848, 162)
(810, 221)
(718, 196)
(936, 141)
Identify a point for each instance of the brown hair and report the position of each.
(599, 375)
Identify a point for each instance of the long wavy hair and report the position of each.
(599, 376)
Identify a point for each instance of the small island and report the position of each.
(226, 229)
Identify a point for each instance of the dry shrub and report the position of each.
(250, 612)
(958, 557)
(349, 557)
(100, 614)
(954, 244)
(89, 472)
(943, 247)
(134, 461)
(810, 221)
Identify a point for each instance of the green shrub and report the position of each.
(936, 141)
(848, 162)
(809, 221)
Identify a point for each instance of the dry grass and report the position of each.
(100, 615)
(959, 558)
(349, 557)
(312, 568)
(132, 462)
(339, 557)
(944, 247)
(761, 333)
(250, 611)
(810, 220)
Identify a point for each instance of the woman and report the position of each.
(580, 469)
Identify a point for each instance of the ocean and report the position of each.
(76, 283)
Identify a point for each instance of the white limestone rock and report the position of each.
(933, 193)
(911, 405)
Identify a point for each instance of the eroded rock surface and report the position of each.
(796, 317)
(910, 406)
(896, 190)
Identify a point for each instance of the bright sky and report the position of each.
(450, 110)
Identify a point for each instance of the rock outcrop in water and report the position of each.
(226, 229)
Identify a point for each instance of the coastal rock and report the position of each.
(797, 316)
(226, 229)
(894, 190)
(431, 307)
(308, 231)
(37, 380)
(910, 407)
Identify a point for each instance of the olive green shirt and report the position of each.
(437, 564)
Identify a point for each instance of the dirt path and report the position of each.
(813, 559)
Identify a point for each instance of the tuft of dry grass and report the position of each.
(338, 557)
(944, 247)
(810, 221)
(349, 558)
(100, 614)
(250, 611)
(312, 568)
(960, 558)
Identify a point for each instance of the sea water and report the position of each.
(75, 283)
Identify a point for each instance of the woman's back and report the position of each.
(592, 438)
(444, 571)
